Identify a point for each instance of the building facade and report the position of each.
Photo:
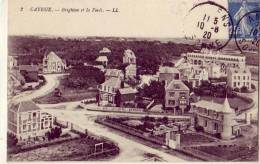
(209, 58)
(102, 60)
(216, 118)
(26, 121)
(167, 74)
(177, 96)
(52, 63)
(129, 57)
(130, 71)
(114, 73)
(238, 78)
(108, 91)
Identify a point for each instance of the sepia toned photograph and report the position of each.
(128, 81)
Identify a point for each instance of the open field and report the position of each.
(80, 149)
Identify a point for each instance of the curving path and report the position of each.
(51, 83)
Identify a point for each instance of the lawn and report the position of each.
(235, 102)
(231, 152)
(68, 151)
(68, 94)
(188, 139)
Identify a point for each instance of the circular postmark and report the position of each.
(247, 32)
(209, 24)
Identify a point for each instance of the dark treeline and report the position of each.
(149, 53)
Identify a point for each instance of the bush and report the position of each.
(199, 129)
(244, 89)
(218, 135)
(253, 86)
(236, 89)
(53, 133)
(11, 140)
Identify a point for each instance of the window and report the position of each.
(215, 126)
(182, 102)
(24, 127)
(171, 102)
(238, 77)
(244, 77)
(205, 123)
(234, 84)
(34, 114)
(171, 94)
(238, 83)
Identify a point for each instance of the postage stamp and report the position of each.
(246, 18)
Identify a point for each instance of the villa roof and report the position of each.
(105, 50)
(113, 72)
(129, 53)
(127, 91)
(239, 71)
(167, 69)
(224, 108)
(101, 58)
(177, 85)
(113, 82)
(25, 106)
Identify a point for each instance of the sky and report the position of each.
(136, 18)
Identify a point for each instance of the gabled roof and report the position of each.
(239, 71)
(113, 82)
(211, 105)
(129, 53)
(177, 85)
(29, 68)
(105, 50)
(113, 72)
(25, 106)
(102, 58)
(53, 55)
(130, 66)
(127, 91)
(167, 69)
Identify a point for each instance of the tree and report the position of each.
(244, 89)
(11, 140)
(53, 133)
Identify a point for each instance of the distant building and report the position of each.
(108, 90)
(197, 76)
(130, 71)
(177, 96)
(222, 59)
(216, 118)
(26, 121)
(129, 57)
(102, 60)
(238, 78)
(105, 50)
(12, 62)
(29, 72)
(52, 63)
(15, 82)
(126, 95)
(167, 74)
(114, 73)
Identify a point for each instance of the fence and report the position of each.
(120, 109)
(131, 131)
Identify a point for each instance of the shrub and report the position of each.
(236, 89)
(244, 89)
(253, 86)
(11, 140)
(199, 129)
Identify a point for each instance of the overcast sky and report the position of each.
(137, 18)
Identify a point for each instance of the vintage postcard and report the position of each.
(132, 80)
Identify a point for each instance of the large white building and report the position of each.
(215, 59)
(130, 71)
(238, 78)
(52, 63)
(26, 121)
